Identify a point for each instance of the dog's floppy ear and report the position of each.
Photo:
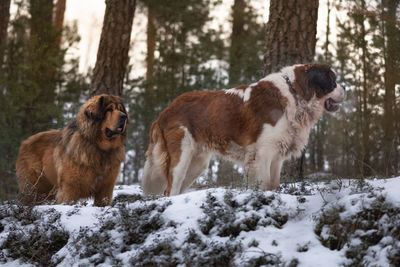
(321, 79)
(95, 108)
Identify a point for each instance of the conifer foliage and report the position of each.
(192, 45)
(38, 86)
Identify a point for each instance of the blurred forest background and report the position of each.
(42, 88)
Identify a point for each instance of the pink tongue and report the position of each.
(334, 103)
(119, 129)
(328, 104)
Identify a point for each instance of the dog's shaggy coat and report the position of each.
(81, 160)
(258, 125)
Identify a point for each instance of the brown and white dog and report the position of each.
(258, 126)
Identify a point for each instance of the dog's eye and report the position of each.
(119, 107)
(109, 110)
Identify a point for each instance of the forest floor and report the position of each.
(336, 223)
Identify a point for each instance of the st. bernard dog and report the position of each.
(258, 126)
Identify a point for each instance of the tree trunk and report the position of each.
(290, 39)
(391, 72)
(42, 69)
(320, 145)
(151, 46)
(225, 173)
(112, 55)
(59, 21)
(312, 149)
(291, 33)
(366, 168)
(236, 51)
(42, 39)
(327, 55)
(321, 125)
(4, 18)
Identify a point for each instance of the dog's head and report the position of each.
(318, 81)
(103, 119)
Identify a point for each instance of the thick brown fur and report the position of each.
(79, 161)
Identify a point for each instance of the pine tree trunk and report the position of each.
(290, 39)
(151, 46)
(291, 33)
(236, 50)
(320, 145)
(391, 72)
(366, 167)
(312, 149)
(327, 55)
(225, 173)
(112, 55)
(321, 126)
(42, 70)
(317, 153)
(4, 18)
(59, 21)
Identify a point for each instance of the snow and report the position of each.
(185, 210)
(391, 188)
(295, 240)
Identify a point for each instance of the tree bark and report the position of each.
(290, 39)
(151, 46)
(42, 70)
(327, 55)
(236, 51)
(59, 21)
(290, 34)
(366, 168)
(320, 145)
(312, 149)
(391, 72)
(321, 125)
(112, 55)
(4, 18)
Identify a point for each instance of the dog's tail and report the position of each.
(156, 168)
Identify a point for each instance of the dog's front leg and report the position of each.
(67, 194)
(104, 187)
(103, 196)
(74, 182)
(250, 170)
(69, 189)
(276, 166)
(263, 170)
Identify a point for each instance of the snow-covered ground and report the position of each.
(340, 223)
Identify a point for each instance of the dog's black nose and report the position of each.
(122, 116)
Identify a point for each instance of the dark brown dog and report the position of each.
(81, 160)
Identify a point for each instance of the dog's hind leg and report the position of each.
(197, 165)
(154, 180)
(155, 172)
(181, 154)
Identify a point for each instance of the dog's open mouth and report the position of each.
(119, 130)
(331, 105)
